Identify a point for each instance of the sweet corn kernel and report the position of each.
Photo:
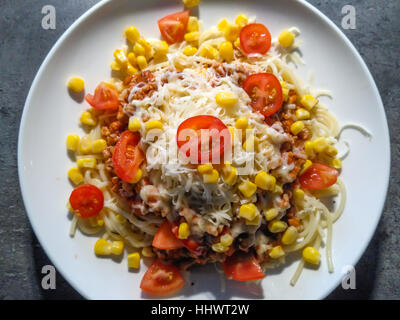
(337, 163)
(115, 66)
(320, 144)
(232, 33)
(276, 252)
(191, 3)
(153, 124)
(302, 114)
(132, 58)
(148, 50)
(311, 255)
(138, 176)
(117, 247)
(183, 231)
(286, 38)
(296, 127)
(134, 124)
(132, 34)
(72, 142)
(193, 24)
(232, 132)
(160, 49)
(218, 247)
(147, 252)
(229, 174)
(251, 144)
(276, 226)
(100, 222)
(142, 62)
(241, 20)
(265, 181)
(88, 119)
(247, 188)
(134, 260)
(242, 123)
(190, 51)
(211, 177)
(290, 235)
(236, 43)
(305, 166)
(226, 240)
(255, 222)
(248, 211)
(75, 175)
(76, 84)
(223, 25)
(308, 102)
(209, 52)
(205, 168)
(87, 163)
(131, 70)
(120, 57)
(331, 151)
(285, 91)
(85, 145)
(226, 99)
(309, 149)
(192, 36)
(298, 195)
(102, 247)
(99, 145)
(139, 50)
(271, 214)
(226, 51)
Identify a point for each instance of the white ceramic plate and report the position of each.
(86, 49)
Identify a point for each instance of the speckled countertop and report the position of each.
(24, 44)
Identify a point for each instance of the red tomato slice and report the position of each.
(255, 38)
(189, 244)
(265, 92)
(105, 97)
(161, 279)
(127, 156)
(215, 134)
(86, 200)
(165, 239)
(318, 176)
(242, 266)
(173, 26)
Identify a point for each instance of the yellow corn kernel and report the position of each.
(147, 252)
(132, 34)
(305, 166)
(232, 33)
(153, 124)
(134, 260)
(276, 226)
(205, 168)
(236, 43)
(241, 20)
(138, 176)
(251, 144)
(229, 174)
(255, 222)
(132, 58)
(142, 62)
(226, 51)
(120, 57)
(308, 102)
(309, 149)
(226, 99)
(190, 51)
(134, 124)
(248, 211)
(298, 195)
(193, 24)
(75, 175)
(247, 188)
(117, 247)
(192, 36)
(131, 70)
(102, 247)
(85, 145)
(148, 50)
(226, 240)
(218, 247)
(302, 114)
(87, 163)
(72, 142)
(76, 84)
(242, 123)
(211, 177)
(209, 52)
(337, 163)
(276, 252)
(285, 90)
(115, 66)
(232, 132)
(331, 151)
(139, 50)
(160, 49)
(265, 181)
(183, 231)
(99, 145)
(100, 222)
(296, 127)
(271, 214)
(311, 255)
(286, 38)
(223, 25)
(88, 119)
(278, 189)
(290, 235)
(320, 144)
(191, 3)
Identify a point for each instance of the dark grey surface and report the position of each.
(24, 44)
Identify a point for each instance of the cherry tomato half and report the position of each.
(318, 176)
(255, 38)
(165, 239)
(105, 97)
(86, 200)
(189, 243)
(161, 278)
(127, 156)
(216, 136)
(242, 266)
(265, 92)
(173, 26)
